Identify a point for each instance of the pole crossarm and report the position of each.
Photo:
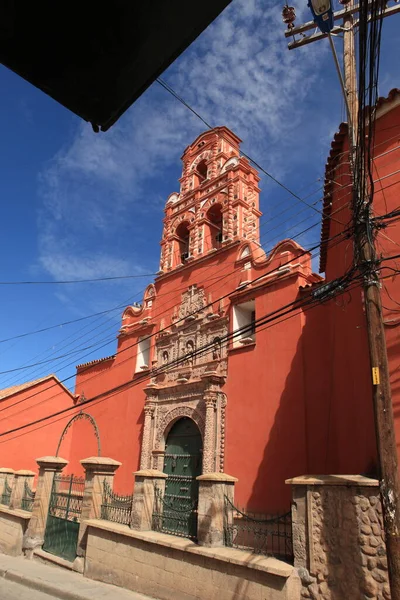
(318, 35)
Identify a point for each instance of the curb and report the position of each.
(40, 585)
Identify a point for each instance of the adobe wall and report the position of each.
(167, 567)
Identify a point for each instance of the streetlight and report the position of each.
(323, 17)
(322, 13)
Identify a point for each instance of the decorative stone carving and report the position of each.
(175, 414)
(192, 301)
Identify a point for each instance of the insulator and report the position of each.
(288, 16)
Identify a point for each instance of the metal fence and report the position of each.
(27, 498)
(115, 507)
(6, 495)
(270, 535)
(177, 519)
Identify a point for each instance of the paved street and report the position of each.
(22, 579)
(15, 591)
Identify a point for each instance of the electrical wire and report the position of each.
(341, 284)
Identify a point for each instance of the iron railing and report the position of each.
(28, 497)
(270, 535)
(115, 507)
(66, 497)
(177, 519)
(6, 495)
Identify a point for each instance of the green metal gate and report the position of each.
(182, 464)
(62, 527)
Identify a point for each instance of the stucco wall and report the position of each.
(166, 567)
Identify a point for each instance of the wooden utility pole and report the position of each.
(365, 249)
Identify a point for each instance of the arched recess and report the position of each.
(168, 421)
(149, 295)
(79, 416)
(183, 240)
(214, 228)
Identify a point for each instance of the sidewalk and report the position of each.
(59, 582)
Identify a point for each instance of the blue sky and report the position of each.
(77, 205)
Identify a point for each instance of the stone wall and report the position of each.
(167, 567)
(13, 524)
(338, 538)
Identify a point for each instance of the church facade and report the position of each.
(236, 361)
(197, 348)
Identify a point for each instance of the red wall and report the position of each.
(265, 400)
(299, 400)
(20, 449)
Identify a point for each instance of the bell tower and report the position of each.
(218, 202)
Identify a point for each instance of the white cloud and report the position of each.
(98, 189)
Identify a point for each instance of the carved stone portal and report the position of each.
(192, 387)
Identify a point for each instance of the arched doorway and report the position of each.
(182, 463)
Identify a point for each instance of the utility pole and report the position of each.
(365, 249)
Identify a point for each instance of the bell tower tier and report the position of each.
(218, 202)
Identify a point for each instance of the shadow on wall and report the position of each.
(324, 423)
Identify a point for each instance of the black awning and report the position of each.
(97, 58)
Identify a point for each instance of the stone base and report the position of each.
(167, 567)
(13, 524)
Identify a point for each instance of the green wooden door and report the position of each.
(182, 464)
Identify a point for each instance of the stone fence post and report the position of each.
(338, 537)
(97, 470)
(144, 497)
(20, 477)
(34, 536)
(6, 474)
(213, 487)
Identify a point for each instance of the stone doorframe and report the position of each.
(202, 401)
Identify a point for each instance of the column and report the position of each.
(98, 469)
(6, 473)
(20, 477)
(144, 497)
(146, 440)
(209, 434)
(34, 536)
(213, 487)
(338, 537)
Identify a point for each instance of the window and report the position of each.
(244, 323)
(143, 354)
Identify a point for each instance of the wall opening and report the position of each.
(183, 235)
(214, 234)
(143, 354)
(201, 172)
(244, 323)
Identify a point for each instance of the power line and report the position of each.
(183, 319)
(341, 285)
(171, 91)
(117, 277)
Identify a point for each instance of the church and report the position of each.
(235, 362)
(203, 365)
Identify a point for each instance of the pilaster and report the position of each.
(34, 536)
